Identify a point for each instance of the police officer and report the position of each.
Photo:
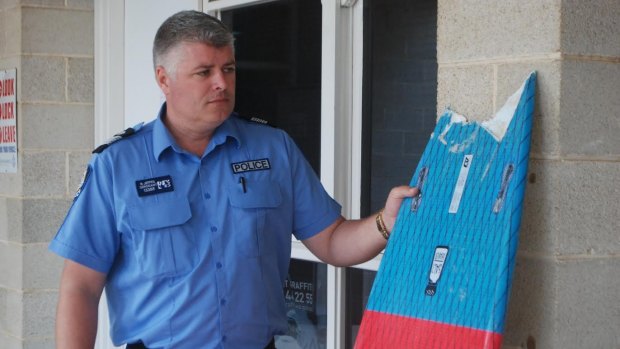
(187, 220)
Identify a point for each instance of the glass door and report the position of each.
(278, 54)
(398, 110)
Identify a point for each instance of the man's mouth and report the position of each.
(219, 99)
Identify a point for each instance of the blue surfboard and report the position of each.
(445, 277)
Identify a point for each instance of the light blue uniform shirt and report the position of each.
(195, 256)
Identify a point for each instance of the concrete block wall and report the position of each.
(565, 292)
(51, 44)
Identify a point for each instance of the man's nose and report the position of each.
(219, 81)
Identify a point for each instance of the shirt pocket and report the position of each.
(163, 244)
(251, 205)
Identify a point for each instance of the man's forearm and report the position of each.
(78, 306)
(76, 320)
(346, 243)
(356, 241)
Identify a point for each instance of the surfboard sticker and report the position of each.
(445, 277)
(439, 259)
(460, 184)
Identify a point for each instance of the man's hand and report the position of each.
(393, 202)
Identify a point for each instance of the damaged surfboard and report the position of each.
(445, 277)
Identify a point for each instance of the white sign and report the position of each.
(8, 121)
(460, 184)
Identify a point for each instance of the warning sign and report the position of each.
(8, 121)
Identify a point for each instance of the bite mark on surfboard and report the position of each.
(496, 125)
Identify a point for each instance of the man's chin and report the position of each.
(219, 115)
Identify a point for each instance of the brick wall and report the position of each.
(51, 45)
(565, 292)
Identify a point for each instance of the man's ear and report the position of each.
(162, 78)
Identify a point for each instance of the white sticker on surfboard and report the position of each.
(460, 184)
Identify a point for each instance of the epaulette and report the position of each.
(128, 132)
(254, 119)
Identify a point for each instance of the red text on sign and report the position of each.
(7, 87)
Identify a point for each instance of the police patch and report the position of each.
(83, 182)
(155, 185)
(251, 165)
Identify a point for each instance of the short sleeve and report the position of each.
(314, 208)
(88, 234)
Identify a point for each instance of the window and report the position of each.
(278, 53)
(305, 292)
(359, 283)
(399, 111)
(400, 84)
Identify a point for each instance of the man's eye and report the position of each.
(229, 69)
(203, 73)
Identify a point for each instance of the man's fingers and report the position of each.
(395, 198)
(403, 191)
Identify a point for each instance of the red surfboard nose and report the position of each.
(382, 330)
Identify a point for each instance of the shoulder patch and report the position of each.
(254, 119)
(128, 132)
(83, 182)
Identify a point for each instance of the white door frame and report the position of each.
(109, 68)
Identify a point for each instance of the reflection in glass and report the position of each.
(305, 293)
(359, 283)
(278, 54)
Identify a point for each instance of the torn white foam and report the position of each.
(499, 123)
(496, 126)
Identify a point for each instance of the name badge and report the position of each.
(252, 165)
(154, 186)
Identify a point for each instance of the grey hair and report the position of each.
(188, 26)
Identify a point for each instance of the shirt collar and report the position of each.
(162, 139)
(228, 130)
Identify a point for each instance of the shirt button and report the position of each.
(207, 196)
(213, 229)
(223, 302)
(218, 265)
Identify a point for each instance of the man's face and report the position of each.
(200, 93)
